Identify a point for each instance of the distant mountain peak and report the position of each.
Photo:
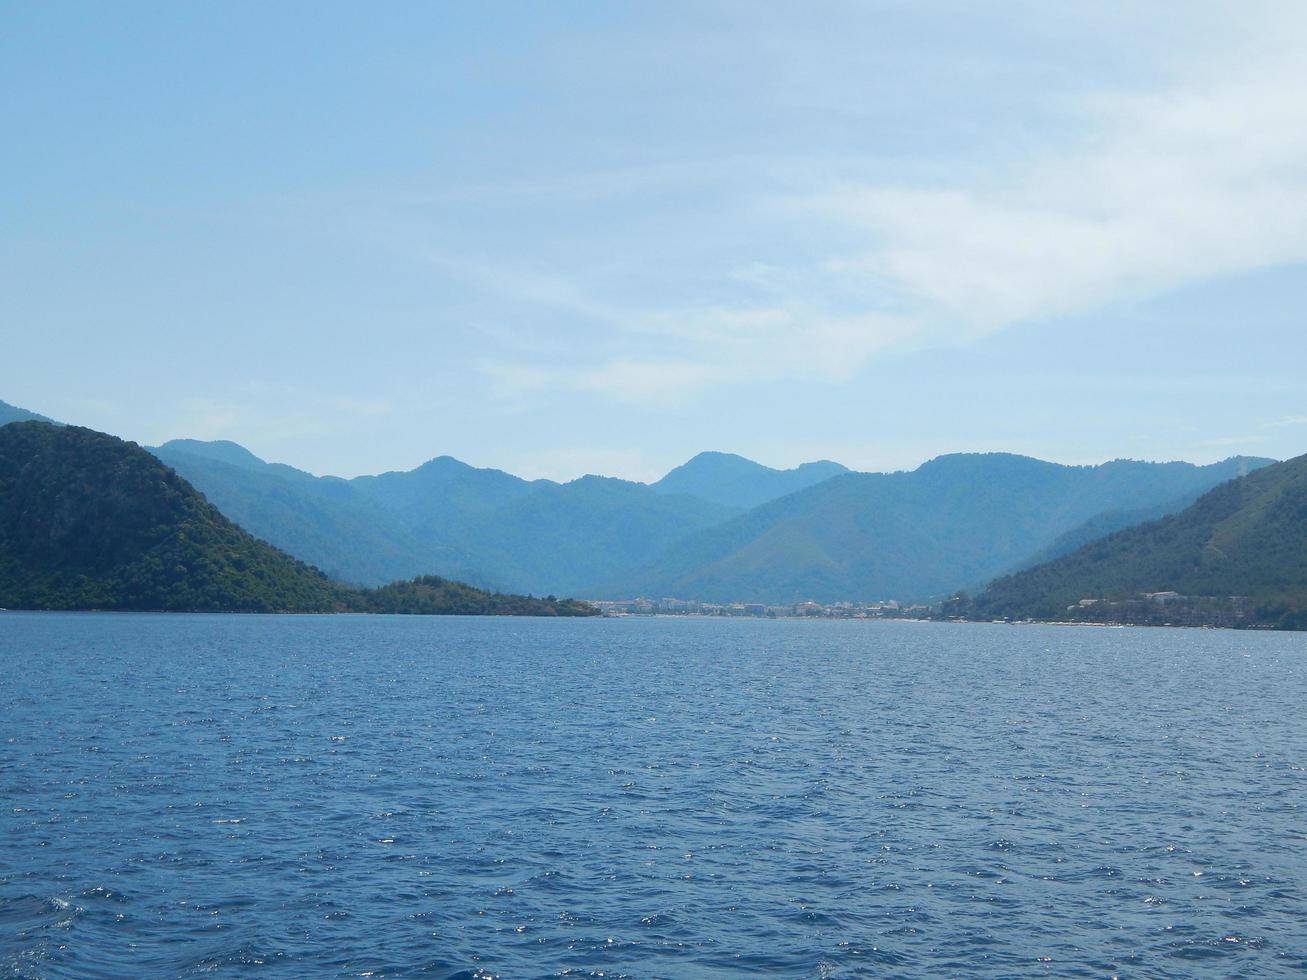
(736, 481)
(444, 462)
(716, 456)
(222, 450)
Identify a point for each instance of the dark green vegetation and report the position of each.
(478, 525)
(954, 522)
(734, 481)
(88, 521)
(430, 594)
(1109, 522)
(1238, 554)
(323, 521)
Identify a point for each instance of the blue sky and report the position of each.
(599, 237)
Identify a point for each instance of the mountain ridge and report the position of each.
(955, 520)
(91, 521)
(484, 526)
(1245, 538)
(735, 481)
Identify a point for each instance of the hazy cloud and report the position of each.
(1136, 194)
(1204, 177)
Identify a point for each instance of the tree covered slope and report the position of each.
(955, 522)
(478, 525)
(324, 521)
(1244, 538)
(88, 521)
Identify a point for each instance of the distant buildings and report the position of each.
(1164, 598)
(1167, 608)
(668, 606)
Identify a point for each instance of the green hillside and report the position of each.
(324, 521)
(1109, 522)
(563, 537)
(954, 522)
(483, 526)
(1247, 538)
(88, 521)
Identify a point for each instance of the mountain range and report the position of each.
(1244, 539)
(718, 528)
(954, 522)
(88, 521)
(482, 526)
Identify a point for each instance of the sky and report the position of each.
(573, 238)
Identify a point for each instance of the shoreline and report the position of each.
(1254, 628)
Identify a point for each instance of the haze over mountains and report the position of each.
(734, 481)
(954, 522)
(481, 526)
(718, 528)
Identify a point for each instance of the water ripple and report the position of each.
(464, 798)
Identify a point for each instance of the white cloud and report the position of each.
(1130, 195)
(1205, 177)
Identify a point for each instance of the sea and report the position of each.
(371, 796)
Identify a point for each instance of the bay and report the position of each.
(458, 797)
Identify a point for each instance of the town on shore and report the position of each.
(888, 608)
(1167, 608)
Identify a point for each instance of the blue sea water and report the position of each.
(378, 796)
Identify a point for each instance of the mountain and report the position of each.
(88, 521)
(1109, 522)
(218, 451)
(539, 535)
(12, 413)
(734, 481)
(321, 520)
(955, 521)
(564, 537)
(1246, 538)
(463, 490)
(478, 525)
